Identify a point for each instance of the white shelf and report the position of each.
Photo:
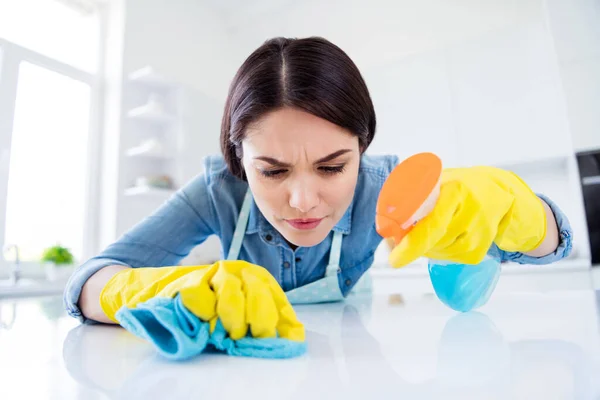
(536, 162)
(420, 269)
(565, 265)
(148, 191)
(135, 153)
(387, 271)
(148, 76)
(147, 114)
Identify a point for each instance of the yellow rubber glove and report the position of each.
(132, 286)
(477, 206)
(239, 293)
(250, 297)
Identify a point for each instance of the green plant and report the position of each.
(58, 255)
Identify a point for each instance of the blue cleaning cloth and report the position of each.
(178, 334)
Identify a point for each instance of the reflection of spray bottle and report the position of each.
(407, 196)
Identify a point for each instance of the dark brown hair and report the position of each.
(310, 74)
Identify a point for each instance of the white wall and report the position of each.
(476, 82)
(490, 82)
(513, 84)
(184, 39)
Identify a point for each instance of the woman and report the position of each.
(295, 193)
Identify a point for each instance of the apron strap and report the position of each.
(240, 228)
(334, 254)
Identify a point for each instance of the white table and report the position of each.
(518, 346)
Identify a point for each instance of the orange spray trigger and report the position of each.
(408, 194)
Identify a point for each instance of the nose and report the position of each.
(304, 197)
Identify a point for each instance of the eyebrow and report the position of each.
(329, 157)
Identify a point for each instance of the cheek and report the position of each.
(260, 184)
(339, 193)
(265, 195)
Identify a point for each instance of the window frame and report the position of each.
(11, 56)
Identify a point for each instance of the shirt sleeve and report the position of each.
(563, 250)
(161, 239)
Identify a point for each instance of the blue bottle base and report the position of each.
(464, 287)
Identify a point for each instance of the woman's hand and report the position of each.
(242, 295)
(477, 206)
(249, 297)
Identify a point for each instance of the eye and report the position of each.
(273, 173)
(332, 170)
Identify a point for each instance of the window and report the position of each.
(46, 180)
(65, 33)
(49, 57)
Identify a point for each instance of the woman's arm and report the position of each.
(557, 244)
(89, 301)
(552, 239)
(161, 239)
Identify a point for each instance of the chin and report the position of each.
(306, 239)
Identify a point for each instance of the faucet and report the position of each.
(15, 270)
(11, 321)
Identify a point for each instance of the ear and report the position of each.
(239, 151)
(239, 154)
(361, 147)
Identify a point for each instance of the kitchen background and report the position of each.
(108, 106)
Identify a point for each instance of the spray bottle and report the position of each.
(407, 196)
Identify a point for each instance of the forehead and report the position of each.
(292, 126)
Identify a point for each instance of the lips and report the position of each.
(304, 223)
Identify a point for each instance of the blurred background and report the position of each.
(108, 106)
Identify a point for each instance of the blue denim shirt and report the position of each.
(209, 205)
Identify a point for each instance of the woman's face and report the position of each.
(302, 171)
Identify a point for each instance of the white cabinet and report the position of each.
(149, 145)
(507, 98)
(576, 33)
(167, 129)
(493, 99)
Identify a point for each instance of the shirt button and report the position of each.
(298, 259)
(286, 264)
(268, 238)
(348, 282)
